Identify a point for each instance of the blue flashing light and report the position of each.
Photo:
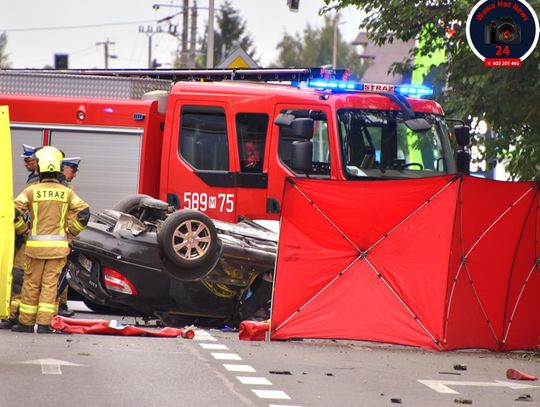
(351, 86)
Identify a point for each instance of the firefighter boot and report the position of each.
(46, 329)
(23, 328)
(7, 323)
(64, 311)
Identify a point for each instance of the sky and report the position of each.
(38, 29)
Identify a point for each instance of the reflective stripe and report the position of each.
(45, 307)
(15, 303)
(34, 223)
(47, 243)
(63, 219)
(46, 237)
(77, 225)
(28, 309)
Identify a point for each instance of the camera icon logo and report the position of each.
(504, 31)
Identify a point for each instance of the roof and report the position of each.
(381, 57)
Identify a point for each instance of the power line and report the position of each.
(73, 27)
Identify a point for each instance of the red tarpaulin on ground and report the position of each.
(443, 263)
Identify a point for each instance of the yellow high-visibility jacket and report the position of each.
(53, 209)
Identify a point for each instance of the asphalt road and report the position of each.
(217, 369)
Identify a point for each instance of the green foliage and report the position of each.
(508, 99)
(315, 48)
(229, 34)
(4, 60)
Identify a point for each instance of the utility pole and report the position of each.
(149, 31)
(210, 48)
(106, 49)
(193, 36)
(185, 31)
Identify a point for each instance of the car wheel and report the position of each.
(131, 204)
(188, 239)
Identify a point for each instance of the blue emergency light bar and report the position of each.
(351, 86)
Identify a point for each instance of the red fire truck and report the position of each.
(223, 141)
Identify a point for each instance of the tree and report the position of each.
(315, 48)
(507, 99)
(229, 34)
(4, 60)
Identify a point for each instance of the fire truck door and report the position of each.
(280, 151)
(6, 213)
(200, 160)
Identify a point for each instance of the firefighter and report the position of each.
(70, 166)
(19, 261)
(50, 205)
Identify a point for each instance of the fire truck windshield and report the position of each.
(377, 143)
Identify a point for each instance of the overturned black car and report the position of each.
(145, 259)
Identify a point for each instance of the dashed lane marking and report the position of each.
(214, 346)
(203, 336)
(271, 394)
(263, 381)
(239, 368)
(225, 356)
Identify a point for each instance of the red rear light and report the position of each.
(115, 281)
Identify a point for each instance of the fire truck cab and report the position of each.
(225, 147)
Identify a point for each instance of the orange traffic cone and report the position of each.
(514, 374)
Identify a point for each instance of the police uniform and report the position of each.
(74, 163)
(50, 205)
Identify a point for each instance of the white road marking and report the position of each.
(263, 381)
(271, 394)
(225, 356)
(201, 335)
(441, 386)
(50, 366)
(239, 368)
(213, 346)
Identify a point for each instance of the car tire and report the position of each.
(189, 240)
(131, 204)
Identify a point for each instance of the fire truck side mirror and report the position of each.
(462, 134)
(301, 156)
(463, 162)
(302, 128)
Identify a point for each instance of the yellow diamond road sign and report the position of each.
(238, 59)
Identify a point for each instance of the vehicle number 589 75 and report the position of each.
(202, 201)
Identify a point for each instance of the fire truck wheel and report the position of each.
(189, 239)
(131, 204)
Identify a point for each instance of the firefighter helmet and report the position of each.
(49, 159)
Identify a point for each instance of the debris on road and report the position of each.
(285, 372)
(524, 397)
(462, 401)
(396, 401)
(460, 366)
(452, 373)
(514, 374)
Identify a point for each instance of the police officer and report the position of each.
(50, 205)
(30, 164)
(70, 167)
